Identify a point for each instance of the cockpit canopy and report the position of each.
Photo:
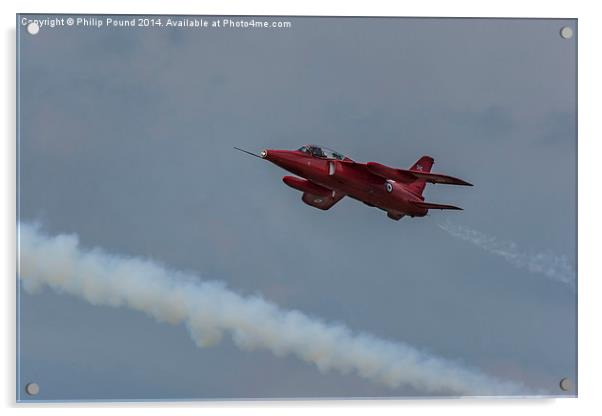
(322, 152)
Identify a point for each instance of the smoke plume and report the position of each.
(209, 310)
(553, 266)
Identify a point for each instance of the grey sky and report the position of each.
(126, 140)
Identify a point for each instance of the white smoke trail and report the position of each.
(209, 309)
(556, 267)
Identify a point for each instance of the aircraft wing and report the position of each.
(322, 202)
(430, 205)
(408, 176)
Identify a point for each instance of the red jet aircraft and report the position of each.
(327, 176)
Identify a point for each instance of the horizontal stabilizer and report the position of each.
(438, 178)
(409, 176)
(430, 205)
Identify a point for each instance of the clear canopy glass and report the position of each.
(322, 152)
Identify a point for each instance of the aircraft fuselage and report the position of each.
(343, 177)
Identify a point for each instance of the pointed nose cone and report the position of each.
(274, 156)
(286, 159)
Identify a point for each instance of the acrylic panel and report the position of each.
(185, 231)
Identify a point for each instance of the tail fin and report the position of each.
(424, 164)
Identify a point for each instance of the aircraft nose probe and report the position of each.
(262, 155)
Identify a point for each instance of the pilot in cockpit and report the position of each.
(321, 152)
(316, 151)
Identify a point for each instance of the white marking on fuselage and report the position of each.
(331, 168)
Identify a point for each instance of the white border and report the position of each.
(589, 174)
